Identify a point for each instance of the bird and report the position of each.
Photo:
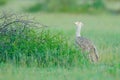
(85, 44)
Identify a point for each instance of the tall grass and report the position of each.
(107, 43)
(22, 44)
(40, 49)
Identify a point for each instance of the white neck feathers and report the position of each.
(78, 25)
(78, 31)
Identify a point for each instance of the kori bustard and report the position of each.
(85, 44)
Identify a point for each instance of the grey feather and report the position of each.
(87, 46)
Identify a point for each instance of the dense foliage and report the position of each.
(67, 6)
(2, 2)
(21, 43)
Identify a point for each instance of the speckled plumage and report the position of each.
(85, 44)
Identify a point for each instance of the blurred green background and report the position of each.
(101, 20)
(70, 6)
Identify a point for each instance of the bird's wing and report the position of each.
(84, 43)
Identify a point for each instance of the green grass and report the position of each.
(34, 73)
(102, 29)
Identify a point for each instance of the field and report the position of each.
(102, 29)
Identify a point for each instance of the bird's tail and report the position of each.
(96, 53)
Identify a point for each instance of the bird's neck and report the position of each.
(78, 31)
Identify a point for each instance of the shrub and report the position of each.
(34, 8)
(74, 6)
(98, 4)
(24, 45)
(2, 2)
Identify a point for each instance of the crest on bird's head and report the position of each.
(78, 23)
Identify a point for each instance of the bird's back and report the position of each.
(84, 43)
(87, 46)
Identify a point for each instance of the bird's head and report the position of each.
(78, 24)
